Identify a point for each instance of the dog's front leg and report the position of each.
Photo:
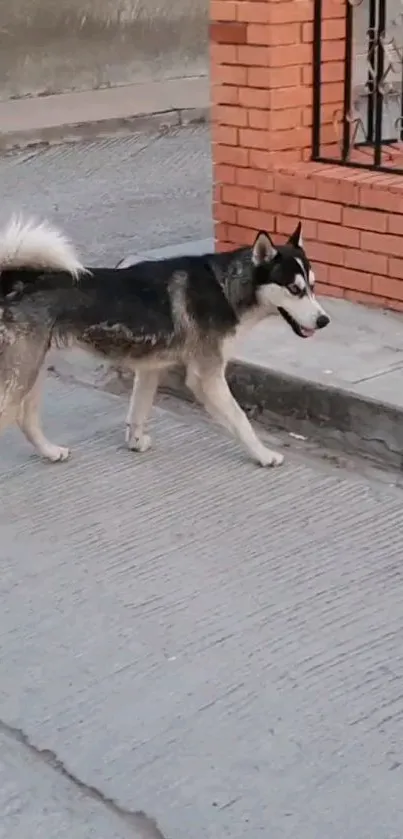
(212, 390)
(141, 401)
(30, 424)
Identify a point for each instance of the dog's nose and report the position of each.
(322, 321)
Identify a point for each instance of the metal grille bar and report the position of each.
(365, 129)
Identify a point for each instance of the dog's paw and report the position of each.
(270, 458)
(56, 454)
(139, 442)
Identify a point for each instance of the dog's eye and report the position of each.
(296, 290)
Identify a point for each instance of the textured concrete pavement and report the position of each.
(140, 191)
(183, 633)
(38, 799)
(213, 643)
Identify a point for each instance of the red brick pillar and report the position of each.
(261, 71)
(262, 109)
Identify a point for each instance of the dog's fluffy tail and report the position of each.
(29, 244)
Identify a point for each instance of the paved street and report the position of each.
(115, 195)
(181, 632)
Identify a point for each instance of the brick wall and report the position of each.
(261, 70)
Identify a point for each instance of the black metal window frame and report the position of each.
(374, 144)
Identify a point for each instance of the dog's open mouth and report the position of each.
(295, 326)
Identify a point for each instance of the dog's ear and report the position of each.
(263, 249)
(296, 237)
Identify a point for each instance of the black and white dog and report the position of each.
(143, 318)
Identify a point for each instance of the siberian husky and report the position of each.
(143, 318)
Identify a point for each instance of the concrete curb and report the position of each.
(154, 106)
(51, 135)
(334, 417)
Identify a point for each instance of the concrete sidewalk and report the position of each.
(345, 386)
(49, 119)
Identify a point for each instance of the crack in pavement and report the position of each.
(145, 827)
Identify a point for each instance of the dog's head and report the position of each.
(284, 280)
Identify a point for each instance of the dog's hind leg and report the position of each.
(210, 387)
(141, 401)
(29, 421)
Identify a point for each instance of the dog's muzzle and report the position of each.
(321, 321)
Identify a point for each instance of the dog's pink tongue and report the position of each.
(307, 332)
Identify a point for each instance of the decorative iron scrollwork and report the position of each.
(368, 122)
